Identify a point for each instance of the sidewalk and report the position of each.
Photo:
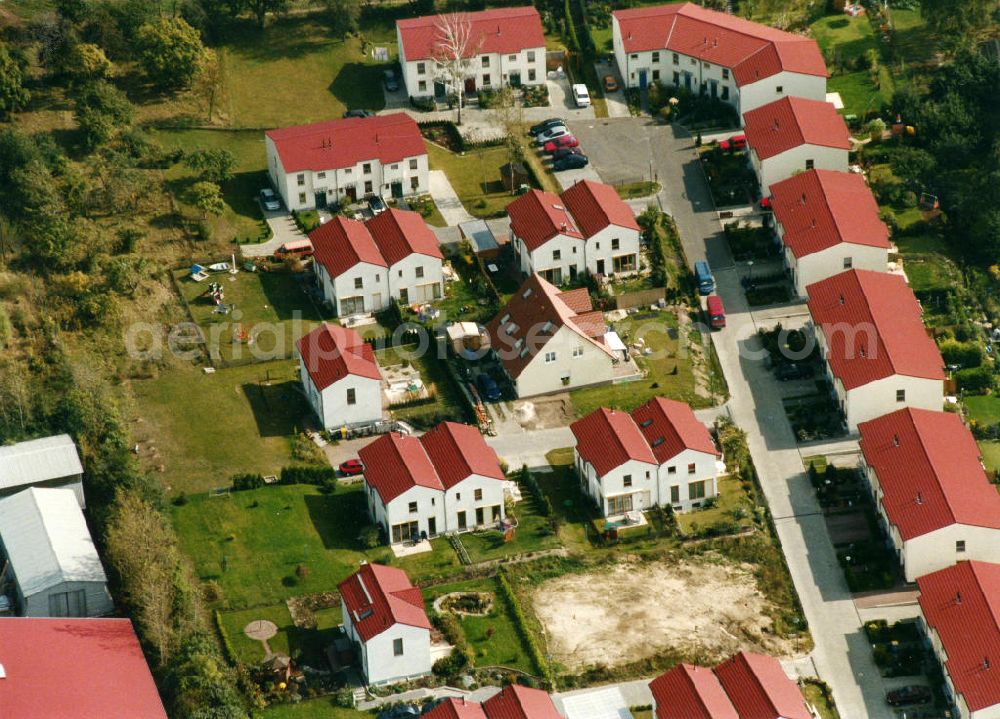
(446, 200)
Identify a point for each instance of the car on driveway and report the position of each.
(269, 200)
(359, 113)
(352, 468)
(488, 387)
(570, 162)
(581, 96)
(566, 151)
(546, 124)
(610, 84)
(794, 370)
(911, 694)
(736, 142)
(403, 711)
(389, 80)
(376, 204)
(551, 134)
(560, 142)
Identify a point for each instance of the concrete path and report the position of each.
(829, 448)
(446, 200)
(421, 695)
(284, 229)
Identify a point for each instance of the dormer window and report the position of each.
(526, 294)
(646, 422)
(503, 320)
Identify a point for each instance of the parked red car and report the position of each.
(352, 468)
(736, 142)
(560, 142)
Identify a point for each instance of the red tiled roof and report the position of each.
(595, 205)
(331, 352)
(395, 463)
(456, 709)
(517, 702)
(821, 208)
(608, 439)
(538, 216)
(928, 467)
(401, 233)
(670, 427)
(342, 243)
(503, 31)
(535, 304)
(379, 597)
(751, 50)
(577, 300)
(458, 451)
(79, 668)
(963, 604)
(690, 692)
(792, 122)
(337, 144)
(759, 688)
(873, 328)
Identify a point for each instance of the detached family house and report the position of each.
(48, 563)
(588, 228)
(712, 53)
(383, 615)
(340, 377)
(447, 480)
(362, 267)
(506, 47)
(960, 609)
(329, 163)
(46, 462)
(792, 135)
(551, 341)
(828, 222)
(930, 489)
(880, 359)
(659, 455)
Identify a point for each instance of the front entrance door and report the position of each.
(404, 296)
(480, 518)
(687, 81)
(439, 90)
(600, 267)
(642, 80)
(572, 273)
(713, 88)
(470, 86)
(462, 524)
(320, 199)
(376, 301)
(397, 189)
(515, 79)
(352, 194)
(432, 526)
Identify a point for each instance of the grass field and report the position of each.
(984, 408)
(844, 39)
(310, 644)
(207, 427)
(533, 534)
(991, 455)
(252, 542)
(475, 177)
(731, 496)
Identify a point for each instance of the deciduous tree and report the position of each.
(101, 111)
(171, 52)
(13, 95)
(215, 165)
(954, 20)
(454, 46)
(207, 197)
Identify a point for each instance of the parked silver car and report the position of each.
(551, 134)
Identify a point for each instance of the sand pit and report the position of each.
(631, 611)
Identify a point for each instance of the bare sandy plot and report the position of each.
(631, 611)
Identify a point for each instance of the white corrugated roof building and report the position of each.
(39, 460)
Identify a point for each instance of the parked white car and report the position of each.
(551, 134)
(581, 96)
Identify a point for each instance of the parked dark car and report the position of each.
(912, 694)
(403, 711)
(570, 162)
(389, 80)
(359, 113)
(545, 125)
(566, 151)
(376, 204)
(794, 370)
(488, 387)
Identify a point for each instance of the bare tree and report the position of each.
(454, 47)
(508, 114)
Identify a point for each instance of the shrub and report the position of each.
(302, 571)
(369, 537)
(976, 379)
(963, 354)
(307, 475)
(541, 665)
(247, 481)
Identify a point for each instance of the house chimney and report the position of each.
(958, 597)
(920, 497)
(803, 198)
(498, 29)
(3, 672)
(715, 43)
(813, 223)
(986, 663)
(775, 125)
(841, 299)
(895, 440)
(564, 226)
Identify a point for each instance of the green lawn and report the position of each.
(309, 644)
(252, 542)
(991, 455)
(984, 408)
(313, 709)
(731, 496)
(475, 176)
(532, 534)
(203, 428)
(815, 695)
(845, 39)
(643, 188)
(447, 404)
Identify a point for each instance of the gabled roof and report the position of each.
(751, 50)
(401, 233)
(79, 668)
(503, 31)
(963, 604)
(670, 427)
(595, 205)
(47, 541)
(378, 597)
(458, 451)
(337, 144)
(691, 692)
(39, 460)
(821, 208)
(395, 463)
(457, 709)
(792, 122)
(608, 439)
(342, 243)
(331, 352)
(538, 216)
(517, 702)
(873, 328)
(759, 688)
(929, 470)
(521, 329)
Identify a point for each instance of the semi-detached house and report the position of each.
(512, 702)
(930, 490)
(329, 163)
(828, 222)
(792, 135)
(711, 53)
(506, 47)
(879, 357)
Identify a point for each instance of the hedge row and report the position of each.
(541, 665)
(542, 502)
(227, 646)
(323, 476)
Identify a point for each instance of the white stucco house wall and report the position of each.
(715, 54)
(793, 135)
(350, 270)
(48, 562)
(608, 225)
(878, 355)
(828, 222)
(545, 237)
(384, 617)
(447, 480)
(412, 255)
(44, 462)
(507, 47)
(342, 161)
(340, 377)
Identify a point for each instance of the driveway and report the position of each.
(452, 210)
(617, 105)
(561, 102)
(284, 230)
